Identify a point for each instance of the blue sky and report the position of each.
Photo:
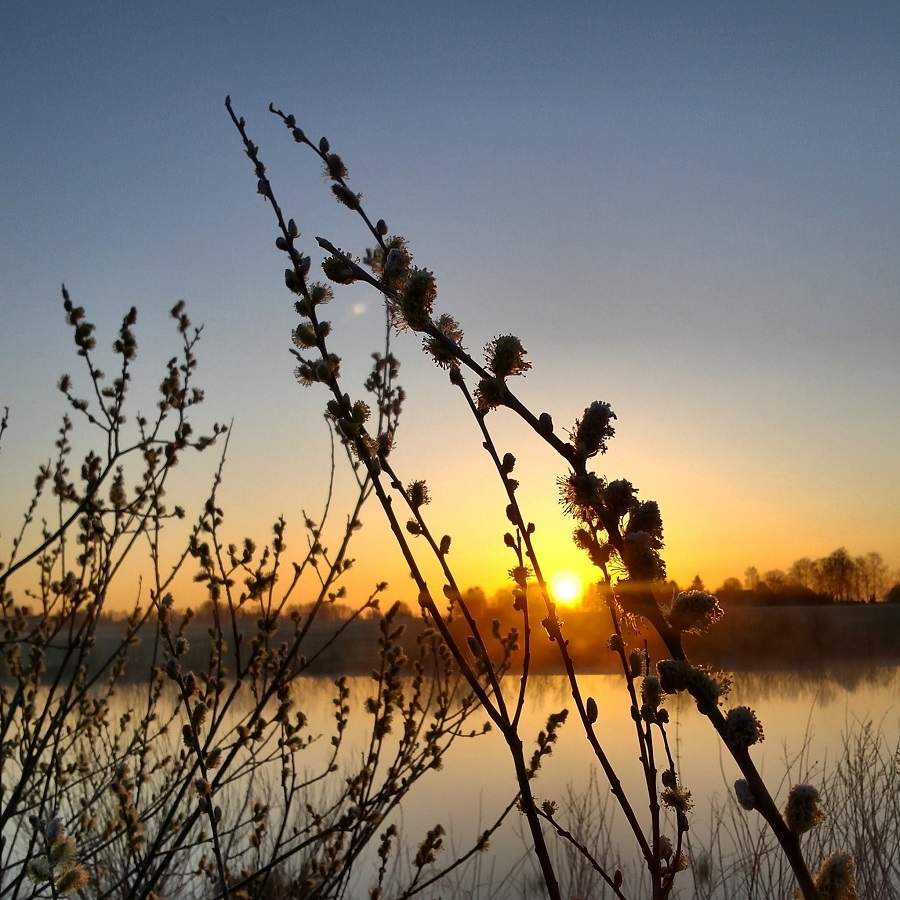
(692, 211)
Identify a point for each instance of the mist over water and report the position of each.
(807, 715)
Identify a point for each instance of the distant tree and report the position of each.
(731, 586)
(697, 584)
(776, 580)
(873, 575)
(804, 572)
(476, 601)
(838, 574)
(329, 612)
(376, 613)
(751, 578)
(858, 579)
(893, 595)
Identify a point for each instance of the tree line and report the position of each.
(838, 577)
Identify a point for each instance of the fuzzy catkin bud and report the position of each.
(836, 878)
(673, 675)
(55, 829)
(594, 428)
(337, 270)
(695, 611)
(292, 282)
(442, 351)
(618, 496)
(651, 693)
(490, 393)
(803, 812)
(417, 299)
(635, 663)
(505, 356)
(677, 798)
(744, 794)
(62, 851)
(640, 553)
(334, 166)
(72, 880)
(644, 515)
(346, 196)
(743, 728)
(705, 687)
(418, 494)
(304, 336)
(665, 847)
(397, 261)
(39, 870)
(320, 293)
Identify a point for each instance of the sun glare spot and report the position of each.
(566, 588)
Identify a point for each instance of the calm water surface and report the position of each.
(805, 716)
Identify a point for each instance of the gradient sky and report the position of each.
(691, 211)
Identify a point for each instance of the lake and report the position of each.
(806, 716)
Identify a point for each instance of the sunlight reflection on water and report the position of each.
(805, 710)
(801, 711)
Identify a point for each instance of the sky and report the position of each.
(690, 211)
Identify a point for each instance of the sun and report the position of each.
(566, 588)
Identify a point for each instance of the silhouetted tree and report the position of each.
(476, 601)
(804, 572)
(838, 574)
(751, 578)
(873, 574)
(730, 586)
(776, 580)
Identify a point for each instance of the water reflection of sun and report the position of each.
(566, 588)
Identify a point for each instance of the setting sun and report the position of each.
(566, 588)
